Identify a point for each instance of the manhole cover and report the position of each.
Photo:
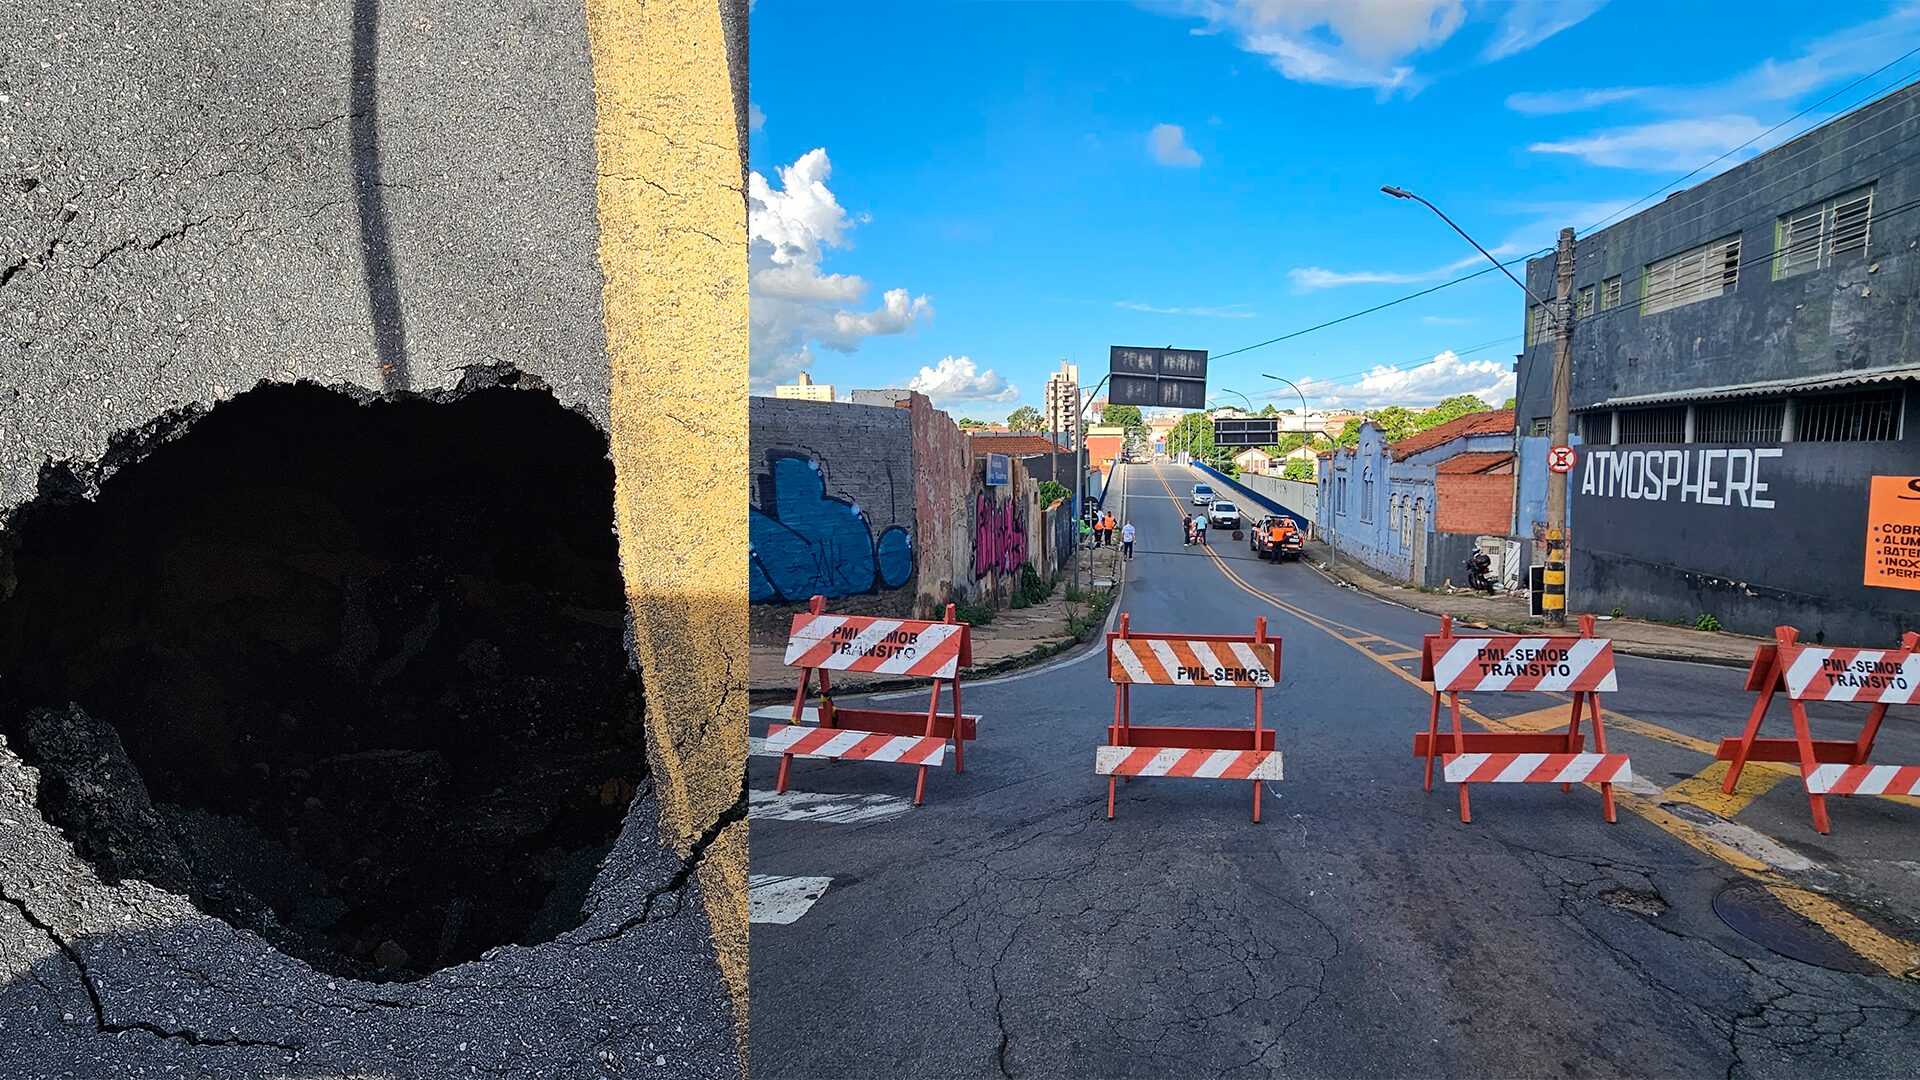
(1760, 917)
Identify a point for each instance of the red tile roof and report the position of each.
(1494, 422)
(1476, 461)
(1000, 442)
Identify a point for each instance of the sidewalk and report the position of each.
(1633, 637)
(1014, 639)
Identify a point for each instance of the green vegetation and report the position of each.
(1298, 470)
(1706, 622)
(1083, 625)
(1026, 418)
(974, 614)
(1052, 491)
(1032, 588)
(1397, 422)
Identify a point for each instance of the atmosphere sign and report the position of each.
(1728, 476)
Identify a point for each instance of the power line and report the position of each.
(1541, 251)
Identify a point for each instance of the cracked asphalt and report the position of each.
(385, 197)
(1007, 929)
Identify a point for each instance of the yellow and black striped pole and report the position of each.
(1553, 599)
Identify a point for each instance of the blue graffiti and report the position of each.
(804, 542)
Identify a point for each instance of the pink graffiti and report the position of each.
(999, 537)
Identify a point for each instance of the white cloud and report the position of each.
(1315, 278)
(1555, 102)
(955, 380)
(755, 118)
(1344, 43)
(1169, 145)
(1229, 311)
(1522, 26)
(1423, 384)
(1662, 145)
(793, 302)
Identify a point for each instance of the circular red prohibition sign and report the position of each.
(1560, 459)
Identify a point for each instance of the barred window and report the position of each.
(1596, 428)
(1583, 303)
(1610, 293)
(1667, 424)
(1823, 234)
(1738, 422)
(1536, 325)
(1866, 416)
(1700, 273)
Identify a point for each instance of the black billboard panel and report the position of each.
(1133, 390)
(1131, 361)
(1246, 431)
(1183, 364)
(1183, 394)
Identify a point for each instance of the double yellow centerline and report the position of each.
(1890, 954)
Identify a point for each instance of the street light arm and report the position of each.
(1402, 193)
(1304, 409)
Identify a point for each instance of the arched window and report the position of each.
(1366, 494)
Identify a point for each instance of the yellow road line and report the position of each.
(1892, 955)
(673, 263)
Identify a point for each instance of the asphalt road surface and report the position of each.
(1007, 928)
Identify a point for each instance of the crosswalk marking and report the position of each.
(832, 809)
(773, 899)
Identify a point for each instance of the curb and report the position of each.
(1624, 648)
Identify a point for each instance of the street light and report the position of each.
(1559, 314)
(1306, 424)
(1403, 193)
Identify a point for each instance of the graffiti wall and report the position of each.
(832, 510)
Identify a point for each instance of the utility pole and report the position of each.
(1554, 600)
(1080, 469)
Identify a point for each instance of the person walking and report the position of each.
(1126, 540)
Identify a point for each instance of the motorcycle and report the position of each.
(1477, 577)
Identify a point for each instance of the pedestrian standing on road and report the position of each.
(1186, 529)
(1109, 528)
(1126, 540)
(1200, 530)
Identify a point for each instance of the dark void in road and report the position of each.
(351, 674)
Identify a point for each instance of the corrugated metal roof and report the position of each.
(1837, 381)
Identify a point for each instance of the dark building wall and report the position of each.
(1657, 550)
(1856, 315)
(1800, 561)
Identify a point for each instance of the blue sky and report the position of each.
(958, 196)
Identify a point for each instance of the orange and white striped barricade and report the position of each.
(1514, 663)
(821, 642)
(1208, 753)
(1879, 677)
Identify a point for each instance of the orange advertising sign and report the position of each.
(1893, 532)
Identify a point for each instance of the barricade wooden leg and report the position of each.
(1111, 788)
(1864, 746)
(1804, 737)
(1433, 735)
(920, 786)
(1573, 730)
(1600, 744)
(781, 785)
(1752, 731)
(1459, 746)
(959, 733)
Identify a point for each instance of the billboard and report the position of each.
(1157, 378)
(1241, 432)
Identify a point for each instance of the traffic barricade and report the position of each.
(1880, 677)
(1514, 663)
(821, 642)
(1207, 753)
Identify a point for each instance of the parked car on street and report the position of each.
(1202, 494)
(1276, 538)
(1222, 514)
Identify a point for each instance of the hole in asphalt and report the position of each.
(1760, 917)
(350, 674)
(1638, 901)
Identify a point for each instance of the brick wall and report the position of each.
(833, 510)
(943, 477)
(1474, 504)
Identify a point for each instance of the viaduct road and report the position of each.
(1007, 928)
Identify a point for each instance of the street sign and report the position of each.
(1157, 378)
(1893, 532)
(1237, 432)
(1560, 459)
(997, 470)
